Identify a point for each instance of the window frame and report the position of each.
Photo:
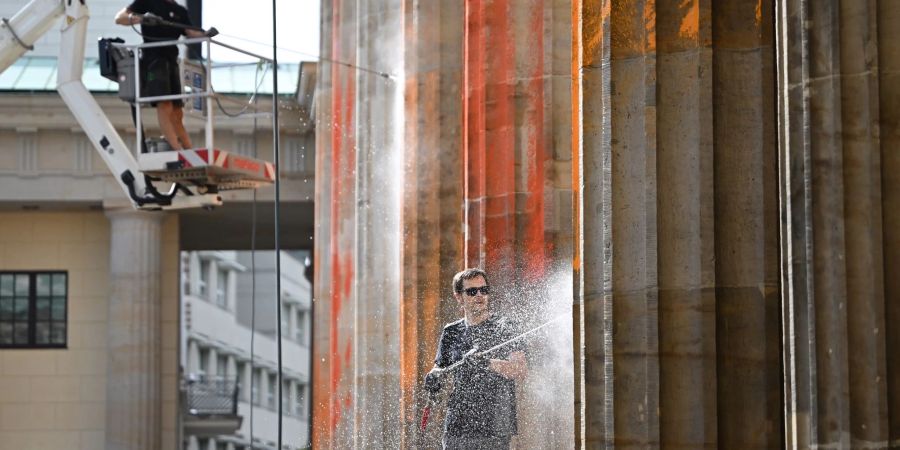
(220, 297)
(32, 310)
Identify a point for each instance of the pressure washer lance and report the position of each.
(473, 353)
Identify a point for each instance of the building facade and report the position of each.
(218, 322)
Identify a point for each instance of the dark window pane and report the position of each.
(6, 333)
(42, 333)
(43, 308)
(58, 335)
(22, 285)
(6, 285)
(43, 284)
(21, 333)
(21, 312)
(59, 309)
(59, 284)
(6, 309)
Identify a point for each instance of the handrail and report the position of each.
(189, 41)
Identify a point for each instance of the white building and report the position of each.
(218, 324)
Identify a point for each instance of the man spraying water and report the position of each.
(481, 410)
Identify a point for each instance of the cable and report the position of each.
(257, 82)
(277, 215)
(318, 57)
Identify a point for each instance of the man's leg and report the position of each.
(178, 123)
(165, 112)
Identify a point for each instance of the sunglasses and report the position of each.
(473, 291)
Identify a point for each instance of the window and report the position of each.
(285, 321)
(204, 363)
(300, 404)
(221, 285)
(273, 386)
(222, 366)
(300, 331)
(255, 387)
(286, 396)
(203, 283)
(239, 380)
(33, 309)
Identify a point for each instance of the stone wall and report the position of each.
(57, 398)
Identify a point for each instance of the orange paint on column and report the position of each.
(324, 414)
(499, 150)
(534, 247)
(331, 399)
(474, 135)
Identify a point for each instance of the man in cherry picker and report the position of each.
(159, 65)
(486, 360)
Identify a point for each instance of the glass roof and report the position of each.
(38, 73)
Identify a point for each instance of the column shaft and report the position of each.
(862, 208)
(747, 310)
(832, 217)
(888, 16)
(133, 401)
(686, 241)
(432, 242)
(631, 131)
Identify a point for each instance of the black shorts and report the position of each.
(160, 76)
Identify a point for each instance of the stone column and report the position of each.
(359, 185)
(432, 195)
(748, 349)
(616, 159)
(833, 274)
(133, 401)
(686, 224)
(888, 15)
(676, 168)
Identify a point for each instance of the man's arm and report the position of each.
(127, 17)
(515, 367)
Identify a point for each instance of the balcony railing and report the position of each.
(210, 395)
(210, 405)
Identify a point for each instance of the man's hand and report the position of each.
(433, 380)
(513, 368)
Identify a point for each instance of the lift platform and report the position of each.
(209, 171)
(194, 176)
(206, 170)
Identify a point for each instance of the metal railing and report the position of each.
(206, 93)
(210, 395)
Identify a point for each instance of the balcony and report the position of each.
(210, 406)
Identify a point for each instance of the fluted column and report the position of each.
(833, 274)
(359, 181)
(748, 349)
(889, 116)
(432, 196)
(133, 401)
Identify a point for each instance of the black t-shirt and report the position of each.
(167, 10)
(483, 402)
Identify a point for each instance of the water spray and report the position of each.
(474, 353)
